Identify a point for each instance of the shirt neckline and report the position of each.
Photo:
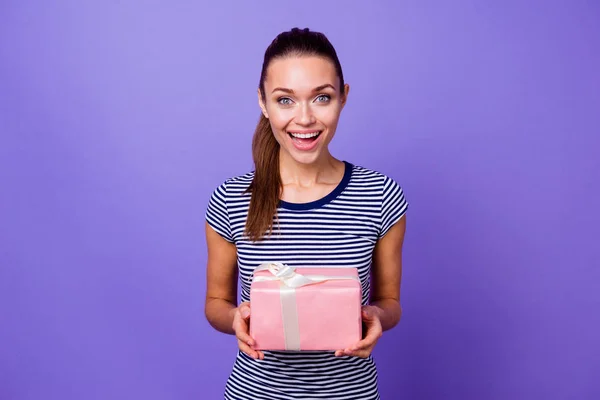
(348, 167)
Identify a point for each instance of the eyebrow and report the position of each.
(317, 89)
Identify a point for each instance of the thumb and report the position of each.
(245, 312)
(368, 314)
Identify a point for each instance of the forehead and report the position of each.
(300, 73)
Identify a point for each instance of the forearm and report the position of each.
(220, 313)
(389, 312)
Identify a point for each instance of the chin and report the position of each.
(305, 158)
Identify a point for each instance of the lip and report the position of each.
(305, 130)
(308, 146)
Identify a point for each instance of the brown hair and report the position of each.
(266, 185)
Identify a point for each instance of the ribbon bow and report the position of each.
(281, 271)
(289, 277)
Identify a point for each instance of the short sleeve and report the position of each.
(217, 214)
(393, 205)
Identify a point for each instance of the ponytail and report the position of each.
(266, 185)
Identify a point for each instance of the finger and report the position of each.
(369, 314)
(247, 349)
(371, 320)
(244, 310)
(339, 353)
(362, 353)
(246, 339)
(374, 332)
(241, 332)
(261, 355)
(358, 353)
(369, 341)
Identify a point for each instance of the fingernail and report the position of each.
(245, 313)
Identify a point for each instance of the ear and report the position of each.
(345, 96)
(261, 104)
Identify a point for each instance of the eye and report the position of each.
(286, 101)
(323, 98)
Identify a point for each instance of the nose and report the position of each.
(305, 115)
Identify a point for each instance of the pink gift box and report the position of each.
(305, 308)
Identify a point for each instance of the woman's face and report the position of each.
(303, 102)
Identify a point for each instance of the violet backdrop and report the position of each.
(118, 119)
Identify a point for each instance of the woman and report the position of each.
(303, 207)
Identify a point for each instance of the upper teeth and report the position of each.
(304, 135)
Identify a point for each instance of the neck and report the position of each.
(324, 170)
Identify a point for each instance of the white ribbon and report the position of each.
(291, 280)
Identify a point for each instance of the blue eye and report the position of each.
(286, 101)
(323, 98)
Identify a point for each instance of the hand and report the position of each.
(241, 320)
(373, 332)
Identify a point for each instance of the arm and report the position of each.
(384, 311)
(221, 293)
(387, 276)
(221, 282)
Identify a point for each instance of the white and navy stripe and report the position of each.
(339, 230)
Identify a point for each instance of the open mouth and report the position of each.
(305, 137)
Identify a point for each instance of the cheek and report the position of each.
(329, 116)
(280, 119)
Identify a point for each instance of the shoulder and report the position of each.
(365, 176)
(376, 183)
(227, 196)
(389, 195)
(235, 185)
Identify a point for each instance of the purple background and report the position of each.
(117, 120)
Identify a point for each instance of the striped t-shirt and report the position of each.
(339, 230)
